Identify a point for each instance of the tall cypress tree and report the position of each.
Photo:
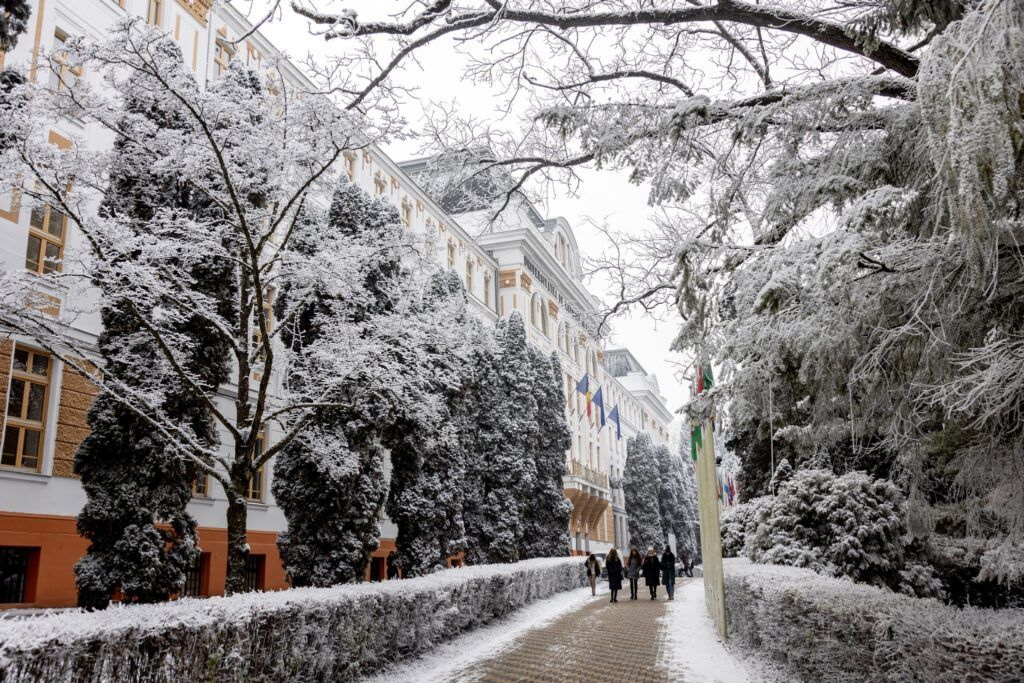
(332, 503)
(500, 467)
(133, 479)
(546, 514)
(427, 489)
(641, 484)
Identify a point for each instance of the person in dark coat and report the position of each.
(614, 566)
(652, 568)
(633, 566)
(593, 572)
(392, 565)
(668, 571)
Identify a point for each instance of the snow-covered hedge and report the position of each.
(826, 629)
(305, 634)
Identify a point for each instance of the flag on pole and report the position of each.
(614, 416)
(584, 388)
(696, 442)
(598, 401)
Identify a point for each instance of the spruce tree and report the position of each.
(332, 503)
(641, 484)
(502, 475)
(783, 473)
(687, 519)
(669, 489)
(14, 15)
(132, 477)
(546, 515)
(427, 489)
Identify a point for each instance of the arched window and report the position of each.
(535, 309)
(562, 250)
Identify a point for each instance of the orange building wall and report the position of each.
(52, 579)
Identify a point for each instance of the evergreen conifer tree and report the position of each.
(427, 488)
(687, 520)
(783, 473)
(546, 515)
(332, 503)
(132, 478)
(641, 484)
(505, 423)
(14, 15)
(669, 490)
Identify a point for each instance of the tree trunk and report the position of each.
(238, 509)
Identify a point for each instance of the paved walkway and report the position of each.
(621, 642)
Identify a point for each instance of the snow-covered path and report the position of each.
(576, 637)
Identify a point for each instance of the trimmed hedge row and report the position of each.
(825, 629)
(306, 634)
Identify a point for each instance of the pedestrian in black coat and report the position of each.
(634, 563)
(668, 572)
(613, 564)
(652, 568)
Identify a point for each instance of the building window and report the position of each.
(254, 572)
(65, 71)
(47, 227)
(14, 573)
(26, 409)
(201, 486)
(469, 275)
(406, 213)
(379, 186)
(196, 577)
(451, 255)
(255, 489)
(350, 166)
(223, 53)
(153, 11)
(487, 288)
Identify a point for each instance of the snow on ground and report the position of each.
(444, 661)
(693, 647)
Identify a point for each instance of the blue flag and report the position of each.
(614, 417)
(598, 401)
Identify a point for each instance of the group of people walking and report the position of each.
(656, 571)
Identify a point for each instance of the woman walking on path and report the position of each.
(614, 566)
(668, 572)
(593, 571)
(633, 565)
(651, 569)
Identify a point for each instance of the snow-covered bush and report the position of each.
(304, 634)
(826, 629)
(738, 523)
(849, 526)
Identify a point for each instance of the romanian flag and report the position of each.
(598, 401)
(584, 388)
(614, 417)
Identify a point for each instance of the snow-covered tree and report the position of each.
(641, 484)
(133, 480)
(428, 456)
(687, 517)
(739, 523)
(834, 230)
(14, 15)
(332, 499)
(783, 473)
(546, 514)
(501, 475)
(261, 156)
(848, 525)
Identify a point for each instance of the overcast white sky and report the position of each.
(604, 196)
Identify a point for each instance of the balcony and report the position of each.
(587, 474)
